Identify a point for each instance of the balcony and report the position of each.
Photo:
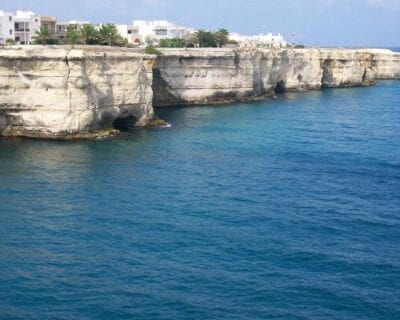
(22, 30)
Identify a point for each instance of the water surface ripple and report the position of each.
(282, 209)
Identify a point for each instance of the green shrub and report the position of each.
(172, 43)
(152, 50)
(52, 41)
(10, 42)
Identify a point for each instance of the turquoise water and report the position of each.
(283, 209)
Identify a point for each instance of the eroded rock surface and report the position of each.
(60, 93)
(198, 76)
(88, 92)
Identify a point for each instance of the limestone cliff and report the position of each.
(201, 76)
(86, 92)
(385, 64)
(60, 93)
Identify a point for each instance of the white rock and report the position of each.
(202, 76)
(60, 93)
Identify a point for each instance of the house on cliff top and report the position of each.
(268, 40)
(19, 26)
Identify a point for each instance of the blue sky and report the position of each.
(317, 22)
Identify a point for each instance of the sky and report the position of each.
(372, 23)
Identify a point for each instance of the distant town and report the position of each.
(25, 27)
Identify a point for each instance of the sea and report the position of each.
(288, 208)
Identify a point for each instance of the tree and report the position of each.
(221, 37)
(73, 35)
(43, 35)
(224, 31)
(109, 35)
(204, 39)
(89, 34)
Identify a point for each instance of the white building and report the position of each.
(129, 33)
(6, 26)
(262, 40)
(26, 23)
(20, 26)
(142, 31)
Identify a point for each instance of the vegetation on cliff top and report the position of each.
(107, 34)
(172, 43)
(152, 50)
(43, 35)
(208, 39)
(201, 39)
(87, 34)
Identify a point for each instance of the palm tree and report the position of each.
(224, 31)
(109, 34)
(221, 37)
(73, 35)
(43, 35)
(89, 34)
(204, 39)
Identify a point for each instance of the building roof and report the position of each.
(48, 18)
(24, 14)
(73, 22)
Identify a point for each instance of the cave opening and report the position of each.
(326, 78)
(125, 124)
(327, 75)
(280, 87)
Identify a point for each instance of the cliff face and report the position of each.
(385, 64)
(195, 77)
(57, 93)
(60, 93)
(224, 75)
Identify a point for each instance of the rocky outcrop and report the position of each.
(205, 76)
(70, 93)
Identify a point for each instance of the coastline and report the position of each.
(73, 92)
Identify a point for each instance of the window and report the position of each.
(129, 31)
(10, 18)
(17, 39)
(161, 32)
(10, 31)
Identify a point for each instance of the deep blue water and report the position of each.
(283, 209)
